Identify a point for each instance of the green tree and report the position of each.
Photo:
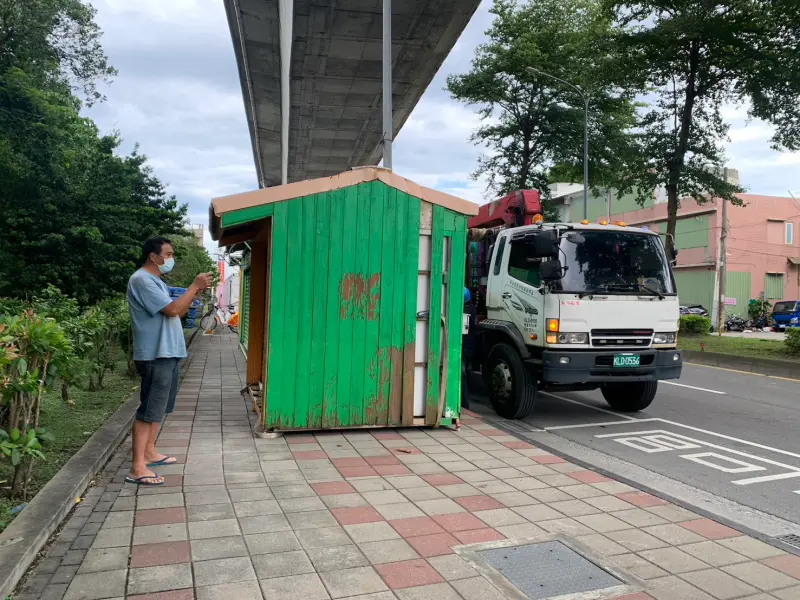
(75, 213)
(531, 123)
(56, 42)
(190, 260)
(691, 58)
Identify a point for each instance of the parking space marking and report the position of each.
(730, 438)
(702, 458)
(692, 387)
(659, 440)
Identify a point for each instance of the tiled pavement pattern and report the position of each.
(372, 515)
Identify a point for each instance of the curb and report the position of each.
(27, 534)
(759, 366)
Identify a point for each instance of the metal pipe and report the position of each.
(250, 96)
(387, 84)
(585, 99)
(286, 16)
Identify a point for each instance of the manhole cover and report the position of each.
(548, 570)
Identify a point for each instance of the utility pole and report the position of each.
(387, 84)
(585, 99)
(723, 259)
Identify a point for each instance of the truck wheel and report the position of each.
(629, 397)
(511, 385)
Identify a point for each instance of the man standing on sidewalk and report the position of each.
(158, 347)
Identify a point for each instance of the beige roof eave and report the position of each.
(300, 189)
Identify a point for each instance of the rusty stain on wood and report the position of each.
(376, 406)
(330, 416)
(359, 296)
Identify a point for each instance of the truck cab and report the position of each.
(577, 307)
(785, 314)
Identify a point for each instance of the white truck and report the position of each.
(573, 307)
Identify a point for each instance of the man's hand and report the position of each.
(203, 281)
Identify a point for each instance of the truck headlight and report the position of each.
(794, 320)
(573, 338)
(664, 338)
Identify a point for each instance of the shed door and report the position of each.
(429, 317)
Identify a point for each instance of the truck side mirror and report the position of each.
(550, 270)
(545, 244)
(541, 244)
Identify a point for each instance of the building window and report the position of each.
(773, 286)
(790, 234)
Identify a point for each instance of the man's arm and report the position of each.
(180, 306)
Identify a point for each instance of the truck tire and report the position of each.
(511, 385)
(629, 397)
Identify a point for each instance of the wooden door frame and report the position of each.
(257, 341)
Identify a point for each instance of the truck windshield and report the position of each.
(614, 262)
(784, 308)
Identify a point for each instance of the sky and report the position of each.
(178, 96)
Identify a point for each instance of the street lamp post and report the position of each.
(585, 134)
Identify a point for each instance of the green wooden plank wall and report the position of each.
(343, 308)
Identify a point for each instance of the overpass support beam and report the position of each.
(286, 15)
(387, 84)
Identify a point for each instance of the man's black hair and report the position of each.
(153, 246)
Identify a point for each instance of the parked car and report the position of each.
(694, 309)
(785, 313)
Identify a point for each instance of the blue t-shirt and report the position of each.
(154, 335)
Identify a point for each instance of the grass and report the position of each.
(71, 426)
(738, 346)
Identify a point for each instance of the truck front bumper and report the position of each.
(575, 366)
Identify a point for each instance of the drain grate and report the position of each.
(792, 539)
(548, 569)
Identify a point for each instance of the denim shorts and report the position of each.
(159, 388)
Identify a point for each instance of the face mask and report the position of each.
(167, 266)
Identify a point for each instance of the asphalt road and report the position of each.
(733, 435)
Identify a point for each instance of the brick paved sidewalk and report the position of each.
(372, 515)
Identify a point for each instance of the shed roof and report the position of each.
(300, 189)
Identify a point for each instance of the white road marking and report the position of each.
(603, 424)
(742, 467)
(765, 478)
(794, 471)
(692, 387)
(733, 439)
(589, 406)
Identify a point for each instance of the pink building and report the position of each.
(763, 244)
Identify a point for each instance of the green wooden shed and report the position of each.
(352, 300)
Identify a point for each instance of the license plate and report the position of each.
(626, 360)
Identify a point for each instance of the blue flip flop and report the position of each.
(140, 480)
(163, 462)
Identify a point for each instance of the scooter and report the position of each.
(735, 323)
(759, 324)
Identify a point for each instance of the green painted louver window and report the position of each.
(773, 286)
(244, 317)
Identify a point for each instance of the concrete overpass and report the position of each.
(313, 76)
